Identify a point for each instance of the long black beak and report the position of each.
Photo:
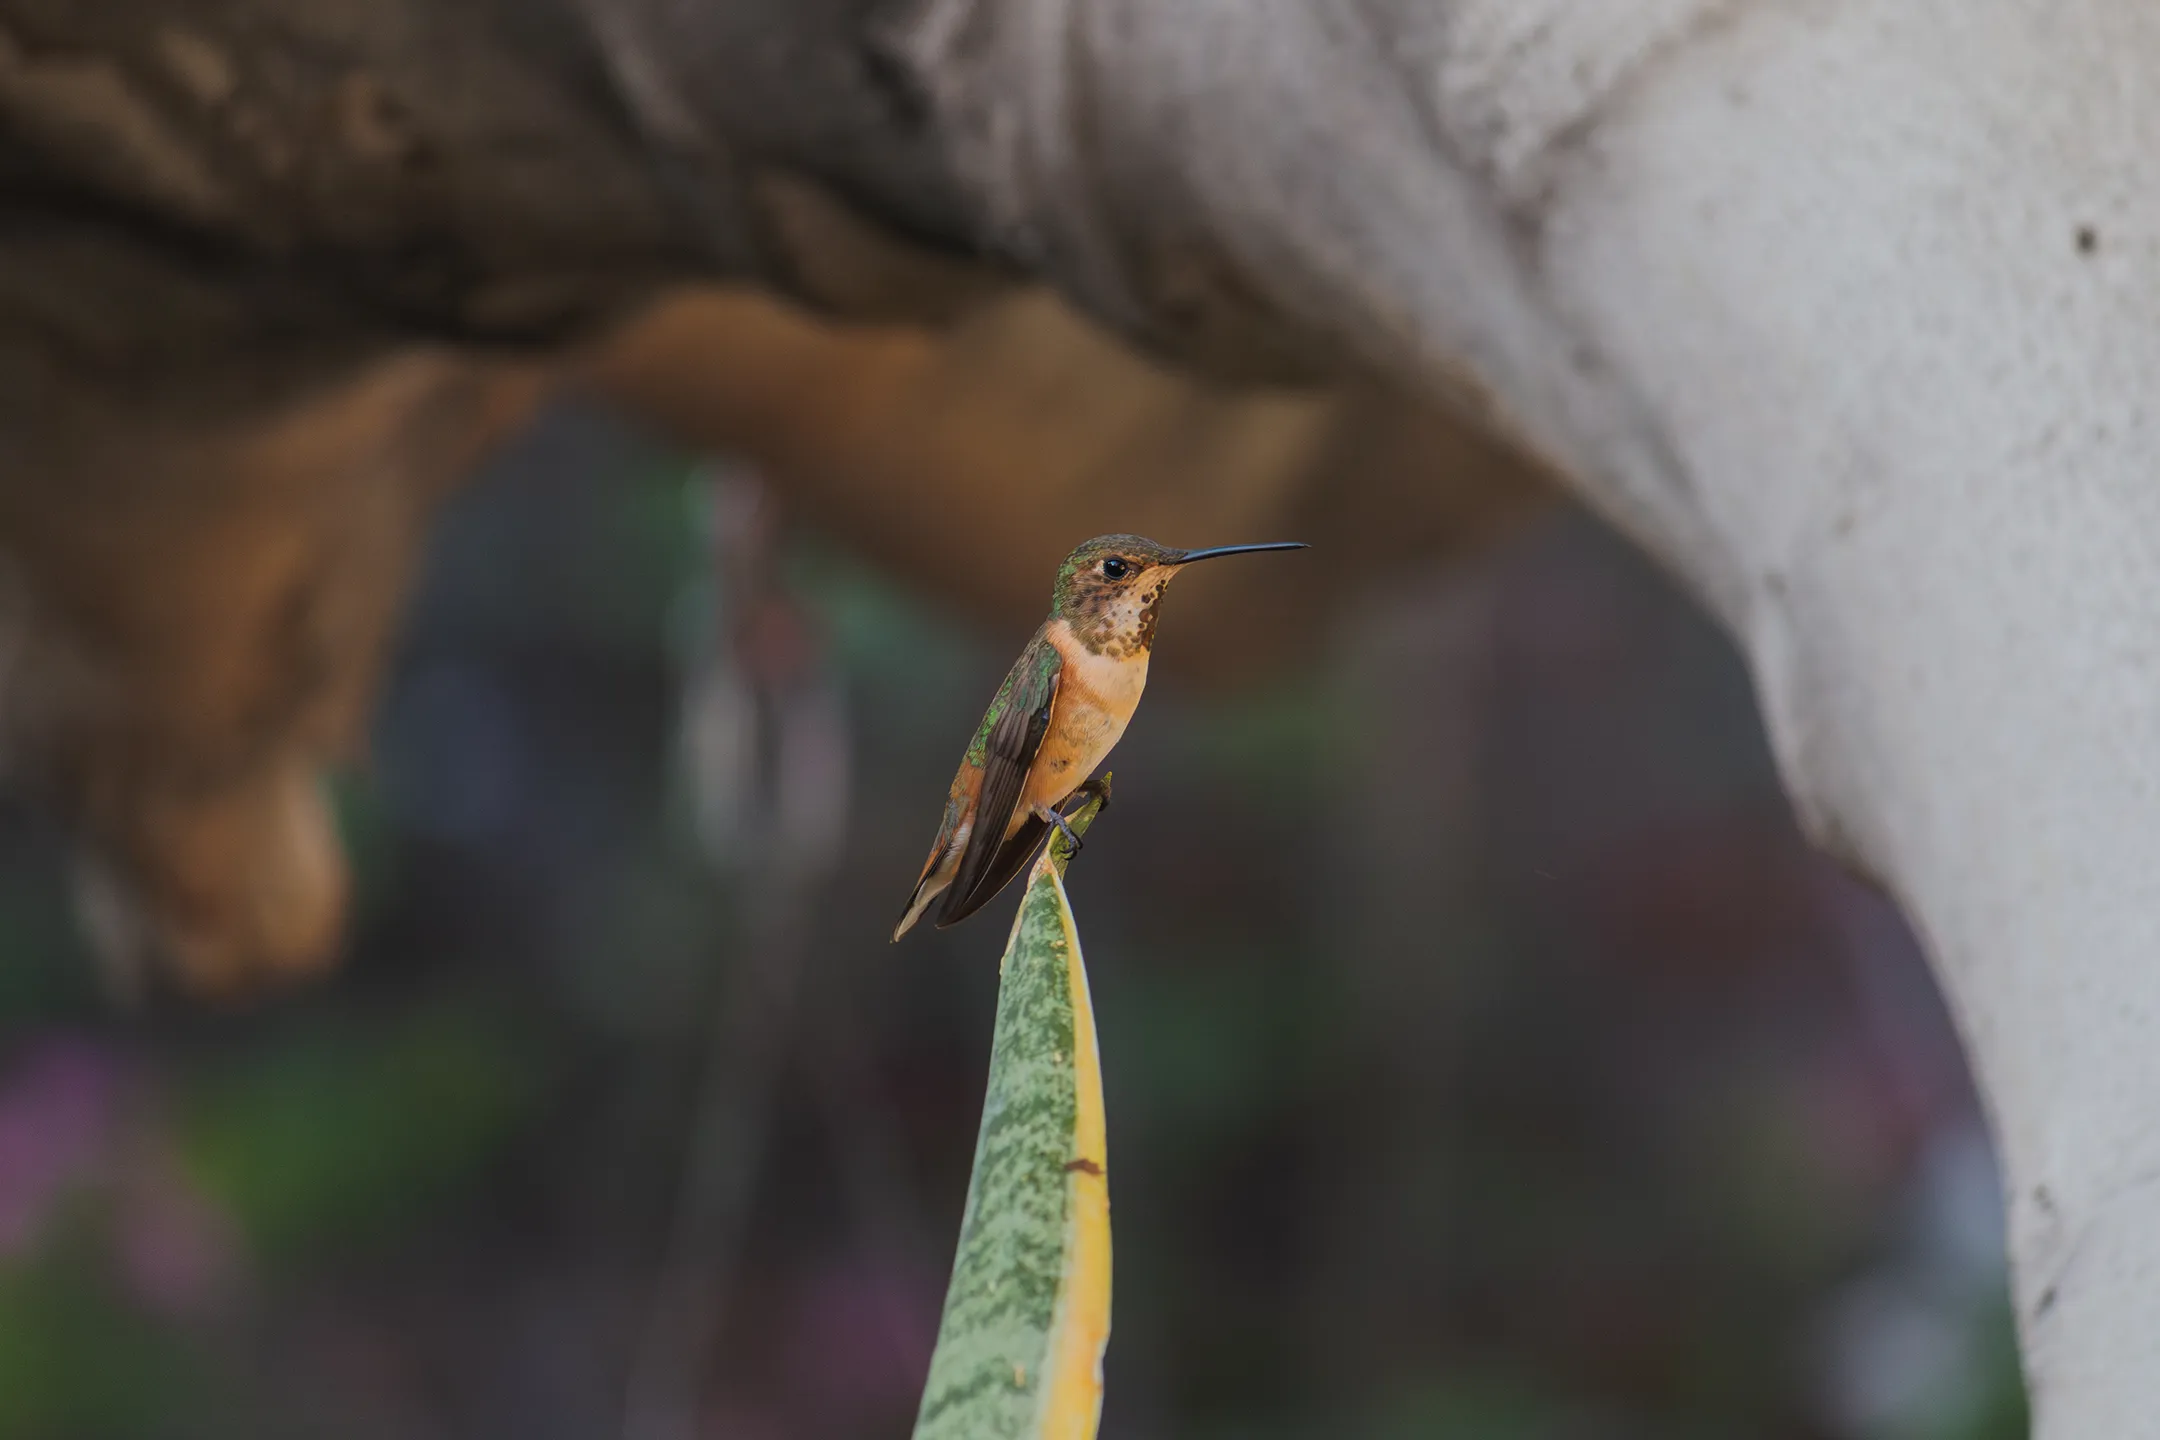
(1191, 555)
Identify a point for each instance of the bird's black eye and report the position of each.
(1115, 568)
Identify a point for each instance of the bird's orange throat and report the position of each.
(1099, 677)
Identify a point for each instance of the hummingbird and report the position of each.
(1064, 704)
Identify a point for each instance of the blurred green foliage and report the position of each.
(345, 1132)
(79, 1357)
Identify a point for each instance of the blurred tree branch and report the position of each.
(965, 462)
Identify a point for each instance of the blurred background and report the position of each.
(1486, 1053)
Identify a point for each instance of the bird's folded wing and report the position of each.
(987, 864)
(1011, 858)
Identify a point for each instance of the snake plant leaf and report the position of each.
(1019, 1350)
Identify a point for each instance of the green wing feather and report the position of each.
(1010, 736)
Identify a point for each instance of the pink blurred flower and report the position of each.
(176, 1250)
(58, 1105)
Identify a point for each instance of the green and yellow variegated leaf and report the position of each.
(1019, 1351)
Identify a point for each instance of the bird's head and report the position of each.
(1109, 587)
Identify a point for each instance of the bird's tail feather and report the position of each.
(927, 889)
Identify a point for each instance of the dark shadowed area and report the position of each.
(1486, 1054)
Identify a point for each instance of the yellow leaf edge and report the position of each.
(1072, 1397)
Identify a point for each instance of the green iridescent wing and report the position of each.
(1012, 734)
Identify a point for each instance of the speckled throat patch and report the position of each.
(1117, 621)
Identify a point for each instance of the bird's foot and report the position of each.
(1095, 790)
